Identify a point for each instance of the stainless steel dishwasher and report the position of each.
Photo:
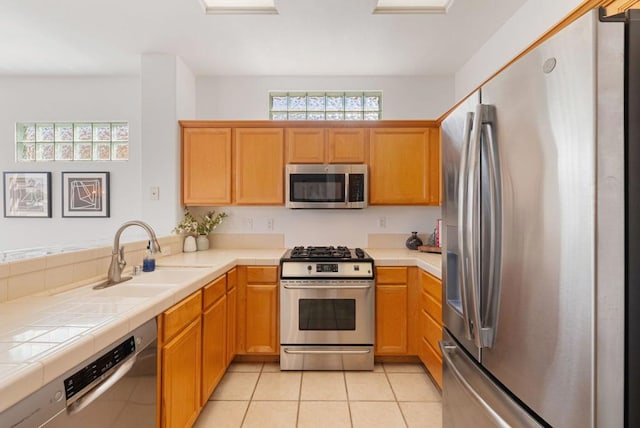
(114, 387)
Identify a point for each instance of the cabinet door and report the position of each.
(206, 166)
(346, 145)
(399, 160)
(305, 145)
(261, 318)
(232, 337)
(391, 319)
(430, 324)
(181, 377)
(214, 339)
(259, 169)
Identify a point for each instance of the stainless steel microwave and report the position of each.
(326, 186)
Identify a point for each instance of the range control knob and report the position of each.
(309, 268)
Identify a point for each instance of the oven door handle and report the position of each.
(326, 287)
(326, 351)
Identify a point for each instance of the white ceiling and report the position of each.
(307, 37)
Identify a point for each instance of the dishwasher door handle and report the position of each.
(95, 393)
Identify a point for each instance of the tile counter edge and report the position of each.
(19, 379)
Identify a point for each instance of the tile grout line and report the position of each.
(386, 375)
(344, 379)
(246, 411)
(299, 398)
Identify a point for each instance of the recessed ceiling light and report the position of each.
(412, 6)
(239, 6)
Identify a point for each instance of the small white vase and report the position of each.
(202, 242)
(189, 244)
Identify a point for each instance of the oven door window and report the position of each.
(317, 188)
(327, 314)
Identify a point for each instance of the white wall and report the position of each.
(532, 20)
(247, 97)
(168, 95)
(71, 99)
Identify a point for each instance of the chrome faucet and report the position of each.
(114, 275)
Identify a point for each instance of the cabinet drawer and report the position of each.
(431, 306)
(232, 279)
(430, 329)
(180, 315)
(391, 275)
(214, 290)
(432, 360)
(262, 274)
(431, 285)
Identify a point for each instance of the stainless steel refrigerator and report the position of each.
(541, 184)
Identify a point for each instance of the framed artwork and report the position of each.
(27, 194)
(85, 194)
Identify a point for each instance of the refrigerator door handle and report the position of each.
(471, 228)
(447, 350)
(463, 178)
(494, 220)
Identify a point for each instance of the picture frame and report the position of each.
(85, 194)
(27, 194)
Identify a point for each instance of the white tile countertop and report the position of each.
(430, 262)
(44, 335)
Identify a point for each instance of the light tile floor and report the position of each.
(253, 395)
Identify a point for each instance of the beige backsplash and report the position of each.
(52, 273)
(392, 240)
(246, 240)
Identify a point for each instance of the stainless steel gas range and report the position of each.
(327, 309)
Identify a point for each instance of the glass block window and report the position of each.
(325, 105)
(72, 141)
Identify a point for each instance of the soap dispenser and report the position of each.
(148, 262)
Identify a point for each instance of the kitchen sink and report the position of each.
(169, 276)
(135, 290)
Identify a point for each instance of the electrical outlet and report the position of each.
(269, 223)
(382, 222)
(155, 193)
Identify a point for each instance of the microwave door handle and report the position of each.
(347, 185)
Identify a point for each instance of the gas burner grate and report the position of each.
(339, 252)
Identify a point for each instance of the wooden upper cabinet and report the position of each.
(259, 167)
(613, 7)
(326, 145)
(346, 145)
(305, 145)
(404, 166)
(206, 166)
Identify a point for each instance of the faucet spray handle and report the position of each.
(121, 261)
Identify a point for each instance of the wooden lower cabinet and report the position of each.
(258, 310)
(391, 319)
(214, 337)
(232, 314)
(430, 324)
(180, 389)
(391, 311)
(262, 309)
(197, 342)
